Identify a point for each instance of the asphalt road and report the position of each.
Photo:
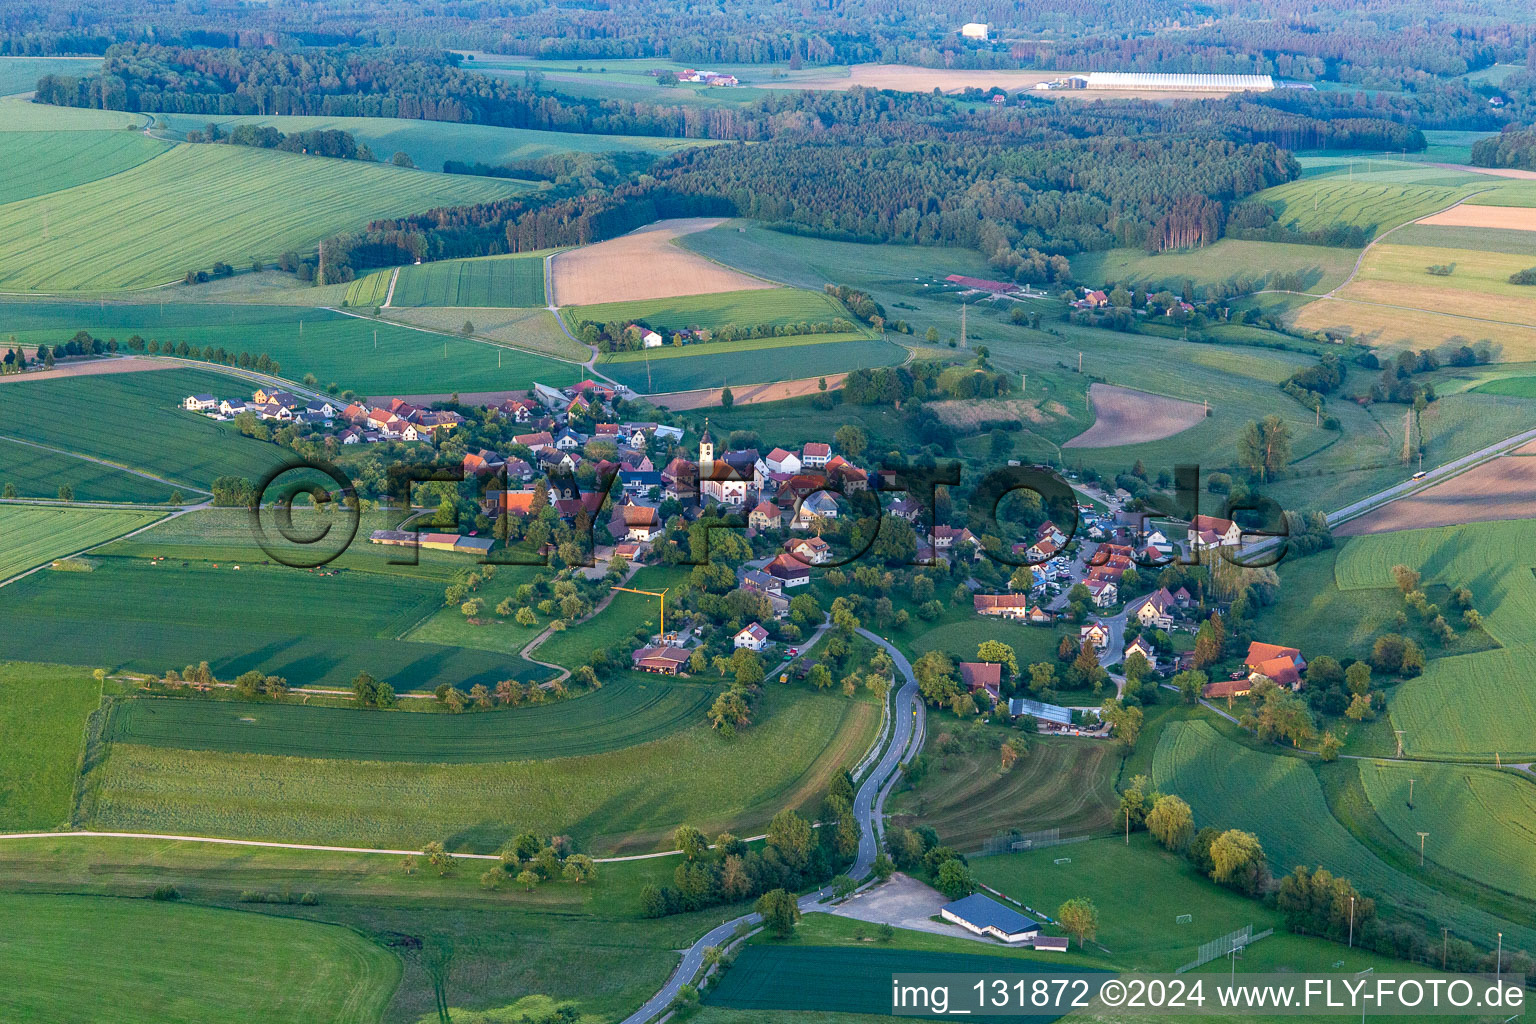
(907, 726)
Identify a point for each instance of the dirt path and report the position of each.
(389, 299)
(1360, 260)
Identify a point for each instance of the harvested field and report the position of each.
(1501, 488)
(682, 401)
(643, 264)
(1520, 218)
(1126, 416)
(534, 329)
(1398, 327)
(969, 414)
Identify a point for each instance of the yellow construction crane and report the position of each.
(652, 593)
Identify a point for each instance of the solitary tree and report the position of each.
(1171, 822)
(1080, 918)
(780, 912)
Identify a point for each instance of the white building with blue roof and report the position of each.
(985, 916)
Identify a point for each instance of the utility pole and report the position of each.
(1445, 946)
(1410, 791)
(1079, 362)
(1422, 837)
(962, 324)
(1498, 964)
(1351, 922)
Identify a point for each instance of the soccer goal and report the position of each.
(1184, 919)
(1063, 860)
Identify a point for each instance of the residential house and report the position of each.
(482, 462)
(1039, 616)
(233, 407)
(199, 403)
(569, 441)
(1095, 633)
(815, 455)
(948, 538)
(1283, 665)
(812, 507)
(789, 570)
(762, 582)
(983, 676)
(636, 522)
(1042, 550)
(810, 550)
(751, 638)
(1141, 645)
(1227, 688)
(764, 516)
(1049, 531)
(1155, 611)
(662, 660)
(840, 471)
(1005, 606)
(1103, 592)
(535, 442)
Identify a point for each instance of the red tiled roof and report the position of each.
(1259, 653)
(976, 675)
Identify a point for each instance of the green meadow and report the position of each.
(516, 281)
(370, 357)
(776, 306)
(20, 74)
(43, 709)
(36, 163)
(197, 204)
(39, 473)
(741, 364)
(263, 968)
(35, 535)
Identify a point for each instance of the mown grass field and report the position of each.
(197, 204)
(1517, 387)
(135, 420)
(310, 628)
(1322, 267)
(1059, 782)
(1232, 786)
(753, 366)
(43, 709)
(776, 306)
(710, 348)
(1443, 236)
(36, 163)
(1476, 704)
(625, 800)
(629, 712)
(262, 968)
(429, 143)
(35, 535)
(536, 329)
(1312, 203)
(516, 281)
(510, 949)
(1481, 821)
(1478, 285)
(370, 357)
(38, 473)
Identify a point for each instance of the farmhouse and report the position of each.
(1004, 606)
(1156, 609)
(666, 661)
(815, 455)
(764, 516)
(1211, 532)
(985, 916)
(1228, 688)
(751, 638)
(1283, 665)
(982, 675)
(637, 522)
(789, 571)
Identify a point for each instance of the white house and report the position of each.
(781, 461)
(752, 638)
(651, 339)
(815, 455)
(974, 30)
(1156, 611)
(199, 403)
(1211, 532)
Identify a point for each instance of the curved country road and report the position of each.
(907, 729)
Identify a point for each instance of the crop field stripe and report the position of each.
(623, 714)
(498, 281)
(776, 306)
(34, 535)
(711, 348)
(37, 163)
(199, 203)
(760, 366)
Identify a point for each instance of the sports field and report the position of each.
(265, 968)
(368, 356)
(626, 800)
(35, 534)
(628, 712)
(734, 367)
(1058, 782)
(197, 204)
(488, 281)
(1481, 821)
(1231, 786)
(134, 420)
(35, 163)
(1476, 704)
(43, 709)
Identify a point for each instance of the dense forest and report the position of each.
(1511, 149)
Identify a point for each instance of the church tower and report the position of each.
(706, 445)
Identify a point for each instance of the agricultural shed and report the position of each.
(1044, 712)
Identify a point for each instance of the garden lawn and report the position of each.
(197, 204)
(370, 357)
(626, 713)
(262, 968)
(626, 800)
(1231, 786)
(36, 163)
(35, 535)
(43, 709)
